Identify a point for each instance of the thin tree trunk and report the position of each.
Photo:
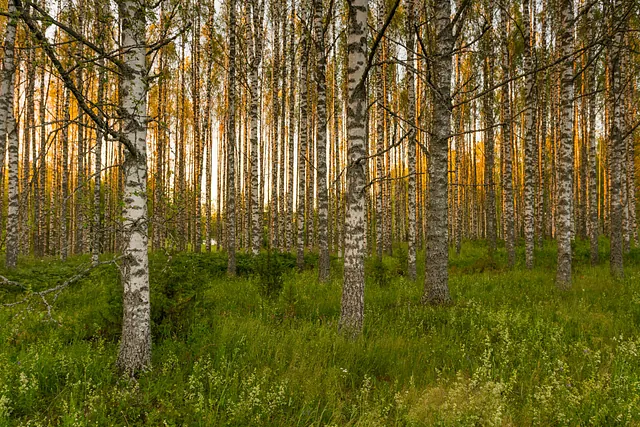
(282, 205)
(617, 149)
(291, 132)
(97, 223)
(411, 150)
(487, 106)
(458, 119)
(9, 135)
(42, 168)
(507, 176)
(530, 139)
(80, 164)
(592, 182)
(302, 161)
(197, 136)
(28, 145)
(255, 50)
(275, 139)
(379, 102)
(323, 196)
(231, 144)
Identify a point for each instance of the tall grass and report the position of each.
(511, 350)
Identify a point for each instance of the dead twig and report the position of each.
(56, 290)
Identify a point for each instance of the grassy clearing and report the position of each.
(511, 350)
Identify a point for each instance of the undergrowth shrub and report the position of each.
(403, 260)
(177, 284)
(269, 269)
(380, 273)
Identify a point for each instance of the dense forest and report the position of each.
(172, 152)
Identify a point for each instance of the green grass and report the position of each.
(511, 350)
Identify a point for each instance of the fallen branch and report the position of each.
(56, 290)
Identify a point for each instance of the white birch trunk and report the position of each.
(487, 107)
(411, 150)
(255, 49)
(352, 305)
(530, 138)
(231, 144)
(321, 143)
(507, 176)
(436, 287)
(135, 345)
(565, 155)
(592, 183)
(9, 135)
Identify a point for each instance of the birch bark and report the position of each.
(352, 306)
(436, 289)
(565, 154)
(135, 345)
(9, 135)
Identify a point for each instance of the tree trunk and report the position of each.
(530, 139)
(352, 305)
(487, 106)
(565, 157)
(275, 102)
(198, 144)
(97, 223)
(41, 168)
(9, 135)
(617, 149)
(80, 163)
(282, 205)
(411, 150)
(323, 197)
(436, 287)
(507, 173)
(231, 144)
(135, 346)
(255, 51)
(302, 162)
(291, 132)
(592, 182)
(380, 167)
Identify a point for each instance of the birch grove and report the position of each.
(337, 132)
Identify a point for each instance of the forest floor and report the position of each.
(510, 350)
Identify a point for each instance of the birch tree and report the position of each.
(135, 345)
(530, 137)
(9, 135)
(302, 155)
(255, 51)
(411, 149)
(565, 157)
(352, 305)
(231, 143)
(507, 172)
(617, 146)
(322, 138)
(487, 107)
(592, 182)
(436, 286)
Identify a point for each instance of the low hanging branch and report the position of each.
(56, 290)
(68, 82)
